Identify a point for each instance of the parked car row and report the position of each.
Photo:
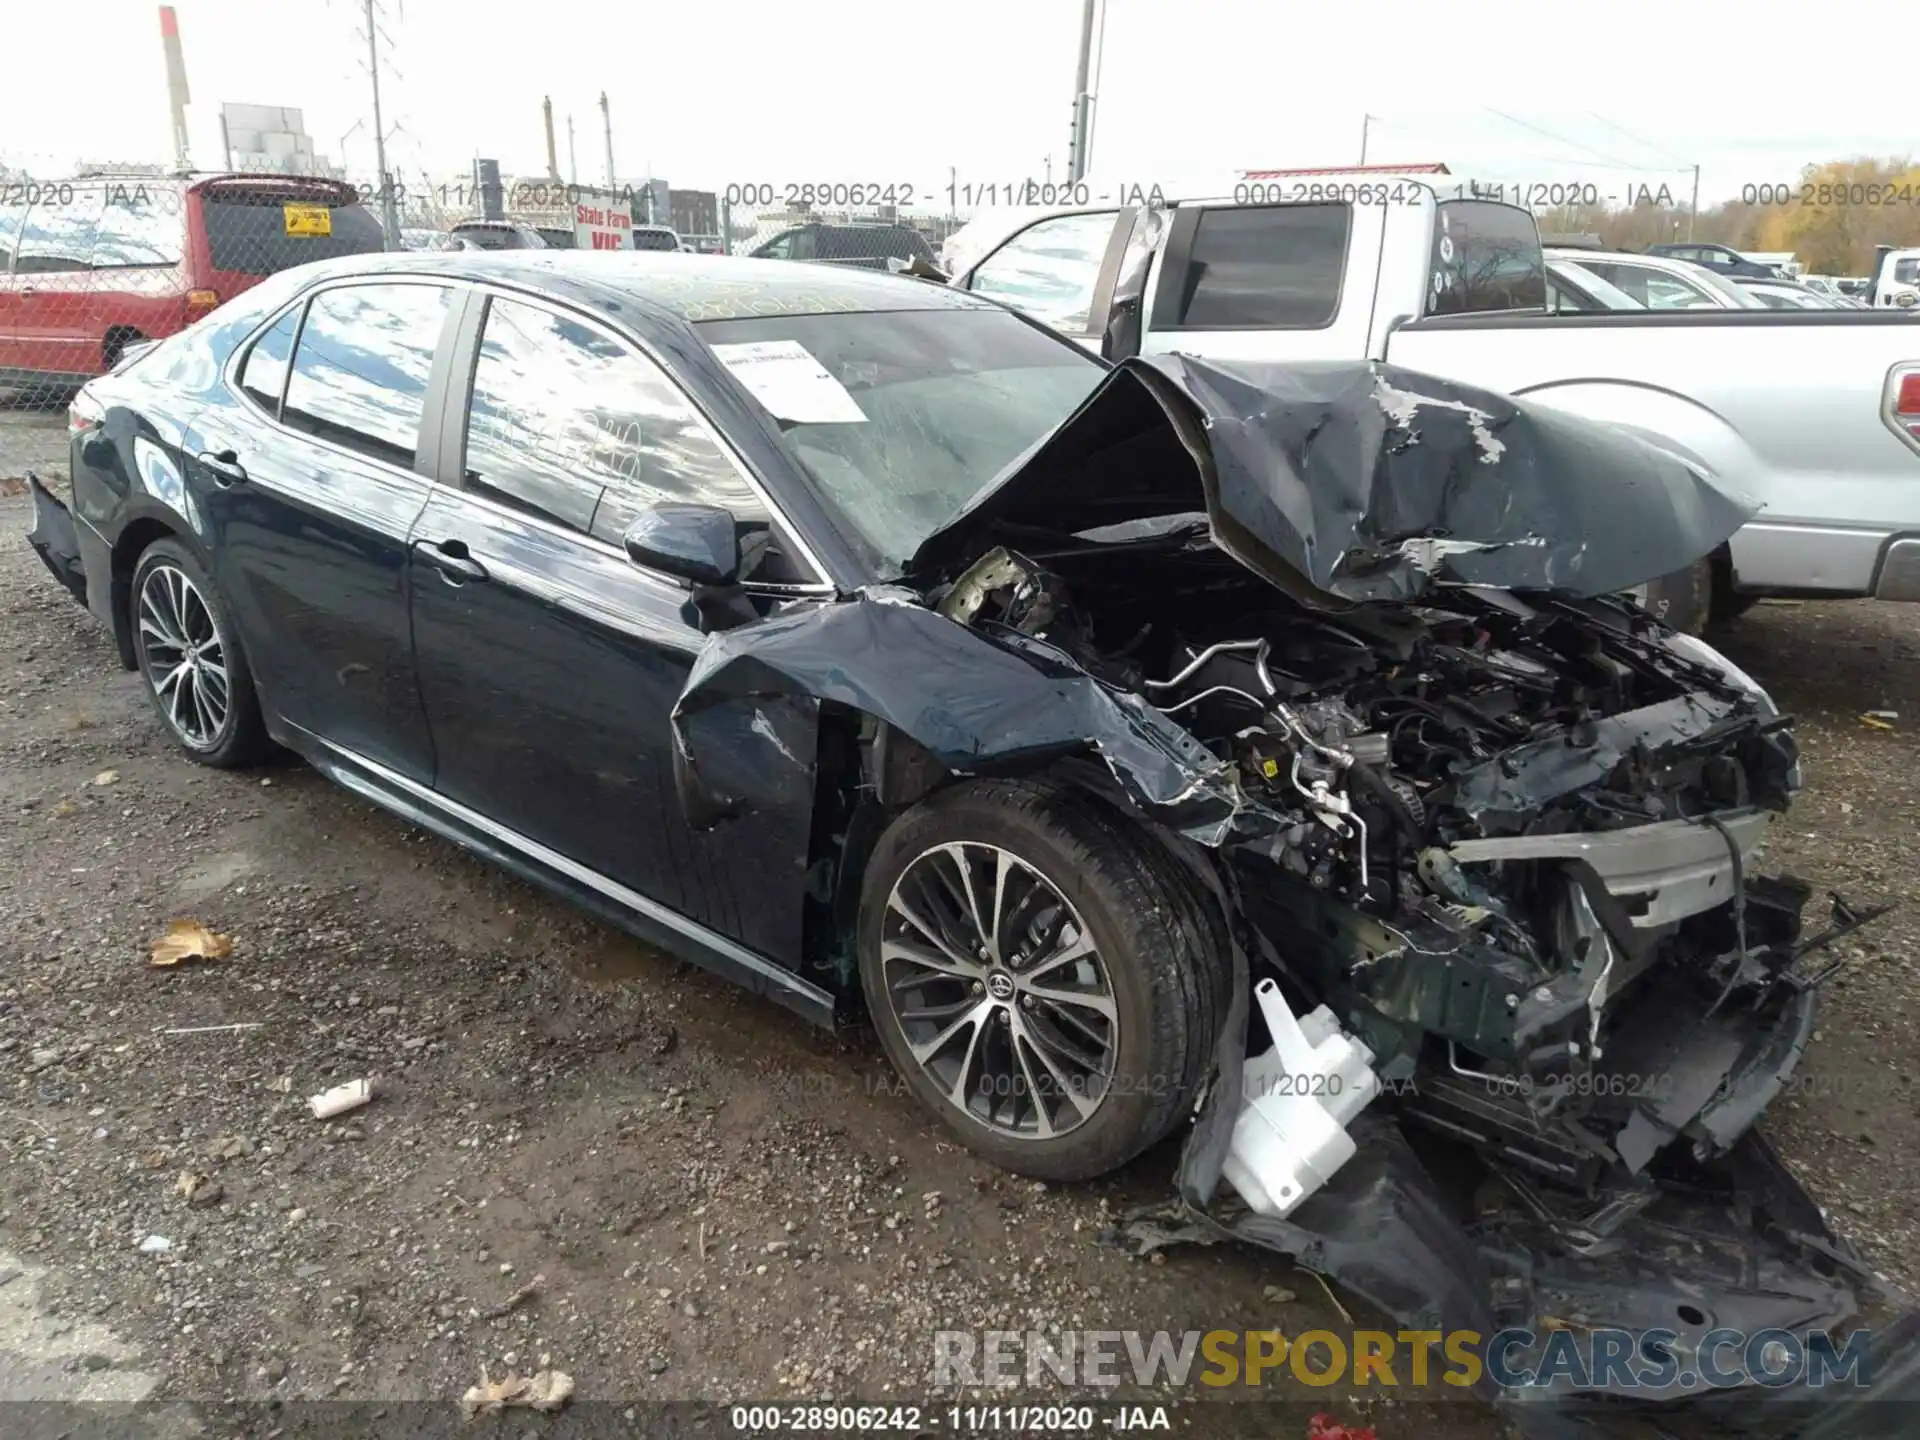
(1104, 740)
(1815, 412)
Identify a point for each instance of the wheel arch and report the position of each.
(135, 538)
(871, 773)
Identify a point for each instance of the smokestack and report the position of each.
(606, 121)
(177, 96)
(546, 121)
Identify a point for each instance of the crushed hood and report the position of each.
(1357, 481)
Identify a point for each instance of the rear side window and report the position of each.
(1486, 256)
(263, 375)
(262, 230)
(59, 227)
(654, 240)
(570, 425)
(1254, 267)
(140, 226)
(360, 372)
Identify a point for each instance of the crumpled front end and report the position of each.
(1491, 860)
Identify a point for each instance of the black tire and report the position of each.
(1157, 940)
(240, 738)
(1683, 599)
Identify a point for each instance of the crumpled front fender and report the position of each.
(981, 701)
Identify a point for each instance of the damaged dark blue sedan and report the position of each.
(1259, 752)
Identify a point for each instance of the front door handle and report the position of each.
(451, 559)
(225, 467)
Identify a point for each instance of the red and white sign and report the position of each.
(603, 224)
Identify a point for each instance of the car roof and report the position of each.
(1667, 264)
(677, 283)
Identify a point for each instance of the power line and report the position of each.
(1614, 160)
(1636, 139)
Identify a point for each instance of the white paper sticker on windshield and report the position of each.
(784, 376)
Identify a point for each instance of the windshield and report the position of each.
(918, 411)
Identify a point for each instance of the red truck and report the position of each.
(89, 266)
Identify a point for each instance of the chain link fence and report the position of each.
(100, 258)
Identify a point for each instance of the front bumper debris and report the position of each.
(1708, 1231)
(55, 540)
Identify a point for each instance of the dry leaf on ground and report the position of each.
(546, 1390)
(189, 940)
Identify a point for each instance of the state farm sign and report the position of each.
(603, 224)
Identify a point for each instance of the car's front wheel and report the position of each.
(1045, 977)
(190, 658)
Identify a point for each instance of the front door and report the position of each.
(310, 483)
(550, 662)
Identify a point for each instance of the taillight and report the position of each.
(84, 413)
(1903, 402)
(199, 302)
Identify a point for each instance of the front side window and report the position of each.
(1264, 267)
(263, 375)
(361, 369)
(1050, 270)
(571, 425)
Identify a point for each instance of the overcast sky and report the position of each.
(707, 92)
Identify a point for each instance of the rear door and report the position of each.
(550, 662)
(55, 323)
(311, 478)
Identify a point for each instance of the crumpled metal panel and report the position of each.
(1359, 481)
(980, 700)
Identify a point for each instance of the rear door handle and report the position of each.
(225, 467)
(451, 559)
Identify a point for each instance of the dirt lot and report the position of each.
(718, 1202)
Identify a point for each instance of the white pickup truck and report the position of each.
(1815, 413)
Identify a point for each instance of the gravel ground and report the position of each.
(712, 1200)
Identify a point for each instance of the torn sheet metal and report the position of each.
(1362, 480)
(979, 700)
(54, 539)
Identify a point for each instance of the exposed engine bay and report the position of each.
(1497, 815)
(1510, 991)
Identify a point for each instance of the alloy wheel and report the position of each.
(999, 990)
(185, 656)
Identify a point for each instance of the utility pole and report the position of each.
(389, 215)
(1693, 205)
(1082, 102)
(573, 163)
(606, 124)
(1366, 124)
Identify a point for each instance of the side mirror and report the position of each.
(696, 543)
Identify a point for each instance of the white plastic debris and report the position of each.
(1296, 1101)
(155, 1245)
(340, 1099)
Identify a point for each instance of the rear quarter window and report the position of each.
(1486, 256)
(1254, 267)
